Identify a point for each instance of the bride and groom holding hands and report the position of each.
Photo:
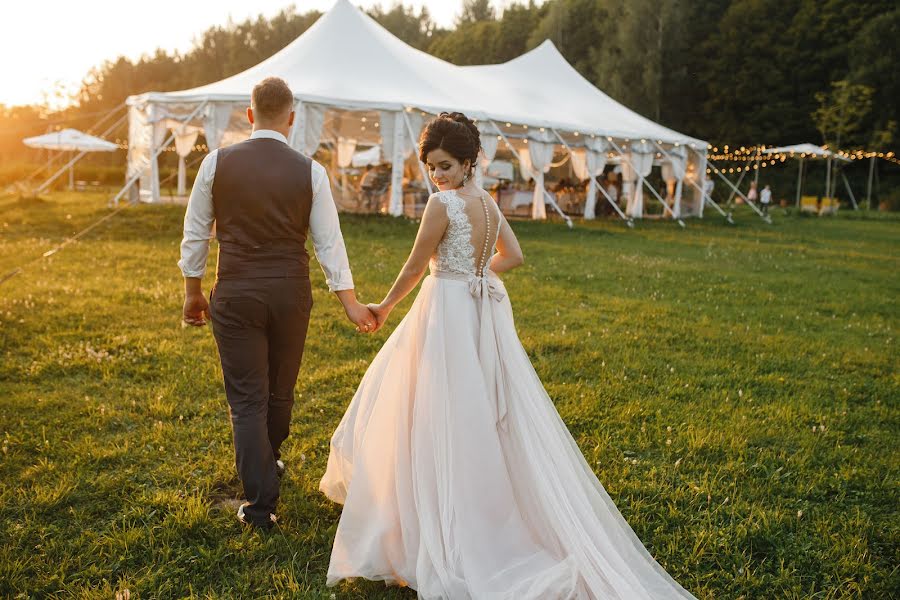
(456, 474)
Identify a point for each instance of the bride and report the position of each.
(457, 475)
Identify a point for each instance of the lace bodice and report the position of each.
(455, 253)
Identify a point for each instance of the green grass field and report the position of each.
(735, 388)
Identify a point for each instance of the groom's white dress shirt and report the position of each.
(324, 227)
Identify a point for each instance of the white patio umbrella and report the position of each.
(69, 140)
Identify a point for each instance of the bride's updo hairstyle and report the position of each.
(455, 134)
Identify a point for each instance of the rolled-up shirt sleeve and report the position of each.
(198, 220)
(325, 230)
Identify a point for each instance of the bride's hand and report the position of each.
(381, 313)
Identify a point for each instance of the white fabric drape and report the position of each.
(541, 154)
(298, 131)
(678, 162)
(345, 149)
(398, 155)
(700, 162)
(140, 137)
(525, 168)
(160, 131)
(397, 144)
(386, 127)
(215, 122)
(628, 188)
(185, 138)
(641, 157)
(579, 163)
(667, 172)
(488, 152)
(313, 122)
(415, 120)
(306, 134)
(595, 159)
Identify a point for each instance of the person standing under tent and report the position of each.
(752, 194)
(765, 199)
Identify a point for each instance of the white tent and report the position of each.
(353, 80)
(69, 140)
(811, 151)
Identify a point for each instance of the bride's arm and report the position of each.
(431, 230)
(509, 254)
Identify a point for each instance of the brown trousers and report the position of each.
(260, 328)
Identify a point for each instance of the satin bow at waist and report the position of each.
(486, 288)
(479, 286)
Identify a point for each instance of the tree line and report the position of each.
(729, 71)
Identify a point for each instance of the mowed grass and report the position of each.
(735, 388)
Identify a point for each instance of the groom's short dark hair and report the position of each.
(271, 98)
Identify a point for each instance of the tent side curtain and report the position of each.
(309, 122)
(594, 163)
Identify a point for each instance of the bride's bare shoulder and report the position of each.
(436, 206)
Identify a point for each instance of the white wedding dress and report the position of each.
(457, 475)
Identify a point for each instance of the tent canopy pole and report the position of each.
(747, 200)
(849, 191)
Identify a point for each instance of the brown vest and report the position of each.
(262, 197)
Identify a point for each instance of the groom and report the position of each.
(263, 197)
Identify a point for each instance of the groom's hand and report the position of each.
(380, 312)
(196, 310)
(362, 317)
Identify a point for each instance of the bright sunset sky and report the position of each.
(43, 42)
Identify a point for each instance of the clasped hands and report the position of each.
(368, 318)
